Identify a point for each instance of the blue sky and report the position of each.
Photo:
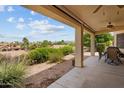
(17, 22)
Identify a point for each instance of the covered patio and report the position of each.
(95, 74)
(95, 20)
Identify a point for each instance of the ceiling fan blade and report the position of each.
(120, 6)
(118, 27)
(114, 28)
(97, 8)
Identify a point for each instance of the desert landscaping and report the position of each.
(43, 62)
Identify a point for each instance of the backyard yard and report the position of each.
(41, 66)
(44, 73)
(36, 49)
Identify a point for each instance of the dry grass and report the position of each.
(13, 53)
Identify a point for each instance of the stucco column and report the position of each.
(79, 46)
(115, 39)
(92, 45)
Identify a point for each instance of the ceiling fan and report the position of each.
(100, 6)
(111, 27)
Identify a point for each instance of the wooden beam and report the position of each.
(55, 13)
(114, 29)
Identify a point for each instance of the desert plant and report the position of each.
(105, 38)
(23, 58)
(38, 55)
(2, 57)
(44, 53)
(12, 74)
(101, 48)
(86, 39)
(5, 58)
(34, 56)
(45, 43)
(108, 43)
(67, 50)
(32, 46)
(55, 56)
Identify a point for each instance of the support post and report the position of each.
(115, 39)
(92, 46)
(79, 46)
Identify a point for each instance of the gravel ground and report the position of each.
(47, 74)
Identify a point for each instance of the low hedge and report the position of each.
(40, 55)
(67, 50)
(55, 56)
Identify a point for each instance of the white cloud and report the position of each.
(10, 19)
(21, 20)
(30, 19)
(20, 26)
(44, 27)
(10, 9)
(32, 12)
(37, 32)
(2, 8)
(20, 23)
(63, 34)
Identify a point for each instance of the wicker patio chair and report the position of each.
(120, 53)
(113, 55)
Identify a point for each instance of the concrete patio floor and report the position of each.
(94, 74)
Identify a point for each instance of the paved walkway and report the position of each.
(95, 74)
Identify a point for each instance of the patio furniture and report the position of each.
(121, 55)
(113, 56)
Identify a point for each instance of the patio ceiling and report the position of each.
(97, 21)
(74, 15)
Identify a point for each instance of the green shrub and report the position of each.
(38, 55)
(53, 50)
(67, 50)
(108, 43)
(34, 56)
(44, 53)
(101, 47)
(55, 56)
(12, 74)
(32, 46)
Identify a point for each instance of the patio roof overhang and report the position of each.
(61, 15)
(97, 21)
(53, 12)
(74, 15)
